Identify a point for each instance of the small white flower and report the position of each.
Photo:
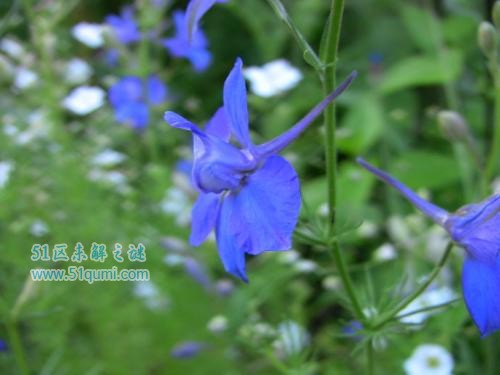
(84, 99)
(385, 252)
(495, 186)
(11, 47)
(272, 78)
(368, 229)
(429, 359)
(289, 257)
(173, 259)
(5, 169)
(292, 339)
(436, 242)
(24, 78)
(112, 177)
(107, 158)
(90, 34)
(77, 71)
(305, 266)
(433, 297)
(39, 228)
(176, 203)
(217, 324)
(323, 209)
(149, 293)
(332, 283)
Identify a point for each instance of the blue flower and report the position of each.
(131, 96)
(187, 349)
(3, 346)
(194, 49)
(249, 194)
(476, 228)
(124, 26)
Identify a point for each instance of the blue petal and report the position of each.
(157, 91)
(200, 58)
(203, 217)
(219, 126)
(232, 255)
(128, 89)
(235, 102)
(195, 10)
(134, 114)
(481, 289)
(125, 27)
(268, 207)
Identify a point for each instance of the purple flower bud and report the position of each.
(187, 349)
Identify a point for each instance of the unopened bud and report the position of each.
(495, 14)
(453, 126)
(486, 37)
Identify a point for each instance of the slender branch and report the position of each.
(406, 301)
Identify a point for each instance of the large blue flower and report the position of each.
(476, 228)
(131, 97)
(249, 194)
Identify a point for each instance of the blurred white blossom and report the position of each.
(272, 78)
(368, 229)
(217, 324)
(84, 100)
(305, 266)
(24, 78)
(77, 71)
(429, 359)
(292, 339)
(90, 34)
(149, 293)
(11, 47)
(108, 157)
(385, 252)
(5, 169)
(495, 186)
(39, 228)
(176, 203)
(432, 297)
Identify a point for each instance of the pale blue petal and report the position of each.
(235, 103)
(268, 207)
(203, 217)
(232, 255)
(195, 10)
(219, 126)
(481, 290)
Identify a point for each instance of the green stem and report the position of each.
(16, 345)
(406, 301)
(309, 55)
(495, 143)
(369, 357)
(329, 48)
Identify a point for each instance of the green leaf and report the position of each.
(424, 169)
(362, 126)
(423, 27)
(422, 70)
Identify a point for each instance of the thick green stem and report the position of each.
(406, 301)
(329, 50)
